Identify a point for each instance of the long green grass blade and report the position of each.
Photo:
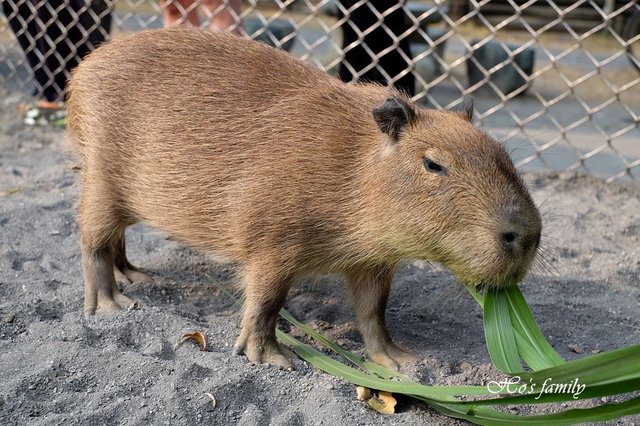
(474, 411)
(361, 378)
(488, 416)
(511, 332)
(498, 331)
(542, 395)
(527, 350)
(603, 368)
(477, 296)
(533, 347)
(357, 360)
(535, 396)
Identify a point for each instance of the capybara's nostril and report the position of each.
(513, 241)
(509, 240)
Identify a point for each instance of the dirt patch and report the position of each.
(58, 367)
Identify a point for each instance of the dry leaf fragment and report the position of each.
(197, 336)
(383, 403)
(10, 192)
(575, 348)
(213, 400)
(388, 398)
(466, 367)
(363, 393)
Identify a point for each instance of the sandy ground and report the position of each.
(56, 367)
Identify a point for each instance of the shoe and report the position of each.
(35, 115)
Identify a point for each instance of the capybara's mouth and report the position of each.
(505, 280)
(495, 284)
(500, 272)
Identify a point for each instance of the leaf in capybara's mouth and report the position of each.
(384, 403)
(197, 337)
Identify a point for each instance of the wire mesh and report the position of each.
(558, 81)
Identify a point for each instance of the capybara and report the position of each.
(243, 151)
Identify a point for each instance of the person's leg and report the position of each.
(377, 40)
(356, 57)
(83, 29)
(397, 63)
(52, 50)
(21, 15)
(96, 21)
(223, 15)
(68, 44)
(26, 25)
(88, 25)
(180, 12)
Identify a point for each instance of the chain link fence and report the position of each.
(558, 81)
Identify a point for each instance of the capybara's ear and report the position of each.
(467, 109)
(393, 116)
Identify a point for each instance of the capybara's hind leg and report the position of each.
(369, 291)
(124, 270)
(100, 227)
(100, 289)
(265, 294)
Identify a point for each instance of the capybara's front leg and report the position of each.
(369, 290)
(265, 293)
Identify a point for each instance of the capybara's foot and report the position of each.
(124, 303)
(261, 351)
(101, 293)
(131, 274)
(392, 357)
(109, 303)
(369, 291)
(124, 271)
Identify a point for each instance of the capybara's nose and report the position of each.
(509, 240)
(520, 234)
(514, 241)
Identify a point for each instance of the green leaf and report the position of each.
(540, 397)
(533, 347)
(488, 416)
(499, 334)
(535, 397)
(360, 378)
(511, 332)
(477, 296)
(606, 367)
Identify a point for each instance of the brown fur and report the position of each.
(241, 150)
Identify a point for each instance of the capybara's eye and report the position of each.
(433, 167)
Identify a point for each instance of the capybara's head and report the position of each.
(448, 192)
